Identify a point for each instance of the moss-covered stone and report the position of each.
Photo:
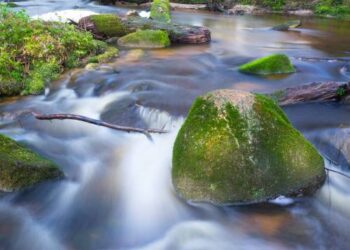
(108, 25)
(236, 147)
(272, 64)
(106, 56)
(160, 11)
(20, 167)
(147, 39)
(287, 25)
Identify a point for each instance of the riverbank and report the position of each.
(320, 8)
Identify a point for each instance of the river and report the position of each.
(118, 192)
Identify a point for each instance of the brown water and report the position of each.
(118, 192)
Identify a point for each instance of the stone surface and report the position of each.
(21, 167)
(236, 148)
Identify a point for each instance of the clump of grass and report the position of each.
(34, 52)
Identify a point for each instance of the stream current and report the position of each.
(118, 192)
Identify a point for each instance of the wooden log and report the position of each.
(180, 34)
(314, 92)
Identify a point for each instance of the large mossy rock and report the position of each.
(103, 26)
(268, 65)
(160, 11)
(20, 167)
(236, 147)
(145, 39)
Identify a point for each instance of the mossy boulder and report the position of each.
(268, 65)
(287, 25)
(147, 39)
(104, 26)
(160, 11)
(21, 167)
(238, 148)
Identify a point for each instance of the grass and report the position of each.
(34, 52)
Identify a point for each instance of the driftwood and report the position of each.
(181, 34)
(314, 92)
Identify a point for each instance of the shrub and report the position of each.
(34, 52)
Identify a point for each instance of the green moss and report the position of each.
(33, 52)
(9, 5)
(20, 167)
(107, 55)
(160, 11)
(287, 25)
(273, 64)
(145, 39)
(109, 25)
(223, 155)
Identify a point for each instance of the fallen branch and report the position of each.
(314, 92)
(146, 132)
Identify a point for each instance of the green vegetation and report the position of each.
(20, 167)
(236, 147)
(147, 39)
(108, 25)
(273, 64)
(160, 10)
(336, 8)
(33, 52)
(272, 4)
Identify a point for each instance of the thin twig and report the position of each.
(337, 172)
(97, 122)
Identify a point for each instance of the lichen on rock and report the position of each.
(147, 39)
(268, 65)
(236, 147)
(21, 167)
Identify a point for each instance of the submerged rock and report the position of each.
(160, 11)
(273, 64)
(236, 147)
(288, 25)
(20, 167)
(147, 39)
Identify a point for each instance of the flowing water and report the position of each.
(118, 192)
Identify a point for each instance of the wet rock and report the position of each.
(334, 144)
(240, 9)
(20, 167)
(103, 26)
(146, 39)
(124, 112)
(273, 64)
(132, 13)
(301, 12)
(236, 147)
(288, 25)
